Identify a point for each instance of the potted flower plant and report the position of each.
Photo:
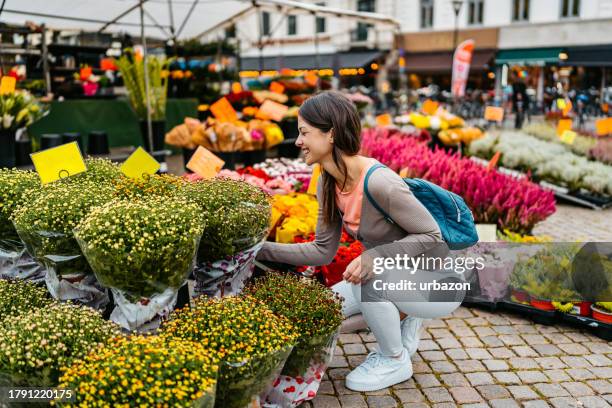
(132, 68)
(14, 185)
(166, 372)
(18, 297)
(250, 340)
(35, 345)
(602, 311)
(18, 110)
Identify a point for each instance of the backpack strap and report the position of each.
(367, 192)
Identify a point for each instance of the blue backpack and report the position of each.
(448, 209)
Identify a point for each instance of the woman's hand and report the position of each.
(356, 272)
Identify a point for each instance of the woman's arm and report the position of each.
(319, 252)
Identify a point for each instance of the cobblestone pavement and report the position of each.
(572, 223)
(475, 359)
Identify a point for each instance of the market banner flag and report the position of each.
(461, 67)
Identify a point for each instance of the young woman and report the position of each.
(329, 135)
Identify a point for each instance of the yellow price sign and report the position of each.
(59, 162)
(563, 125)
(7, 85)
(140, 164)
(561, 103)
(314, 180)
(568, 137)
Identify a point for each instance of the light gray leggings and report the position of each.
(383, 317)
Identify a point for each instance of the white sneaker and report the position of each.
(378, 372)
(411, 327)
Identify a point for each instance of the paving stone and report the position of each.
(502, 352)
(354, 349)
(456, 322)
(433, 355)
(598, 348)
(469, 366)
(426, 380)
(424, 334)
(338, 373)
(462, 331)
(427, 345)
(354, 400)
(381, 401)
(563, 402)
(477, 405)
(577, 337)
(550, 363)
(558, 338)
(512, 340)
(471, 342)
(546, 329)
(593, 402)
(574, 349)
(326, 387)
(477, 321)
(523, 363)
(338, 361)
(406, 384)
(443, 367)
(522, 392)
(445, 405)
(384, 391)
(496, 365)
(367, 337)
(601, 372)
(455, 380)
(448, 343)
(439, 333)
(575, 362)
(436, 324)
(524, 351)
(531, 377)
(408, 396)
(551, 390)
(607, 398)
(457, 354)
(504, 403)
(338, 351)
(465, 395)
(490, 392)
(421, 367)
(347, 338)
(526, 329)
(437, 394)
(492, 341)
(601, 386)
(463, 312)
(506, 377)
(534, 339)
(341, 388)
(557, 376)
(598, 360)
(372, 347)
(577, 389)
(580, 374)
(536, 404)
(354, 361)
(505, 330)
(478, 353)
(498, 320)
(480, 379)
(547, 349)
(484, 331)
(325, 401)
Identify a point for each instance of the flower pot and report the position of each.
(23, 149)
(73, 137)
(230, 159)
(187, 153)
(542, 304)
(601, 314)
(50, 140)
(254, 156)
(519, 295)
(7, 148)
(287, 148)
(158, 128)
(97, 143)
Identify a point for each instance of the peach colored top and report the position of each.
(350, 202)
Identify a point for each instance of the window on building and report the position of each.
(427, 11)
(265, 22)
(320, 21)
(520, 10)
(230, 32)
(291, 25)
(363, 28)
(570, 8)
(475, 11)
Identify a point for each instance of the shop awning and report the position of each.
(443, 61)
(530, 56)
(591, 56)
(309, 61)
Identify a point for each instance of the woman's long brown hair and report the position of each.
(327, 111)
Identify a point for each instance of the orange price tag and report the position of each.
(204, 163)
(277, 87)
(314, 180)
(384, 120)
(603, 126)
(311, 79)
(563, 125)
(430, 107)
(7, 85)
(272, 110)
(223, 110)
(494, 113)
(494, 160)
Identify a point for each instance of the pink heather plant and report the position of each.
(493, 197)
(602, 151)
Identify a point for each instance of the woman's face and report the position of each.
(315, 144)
